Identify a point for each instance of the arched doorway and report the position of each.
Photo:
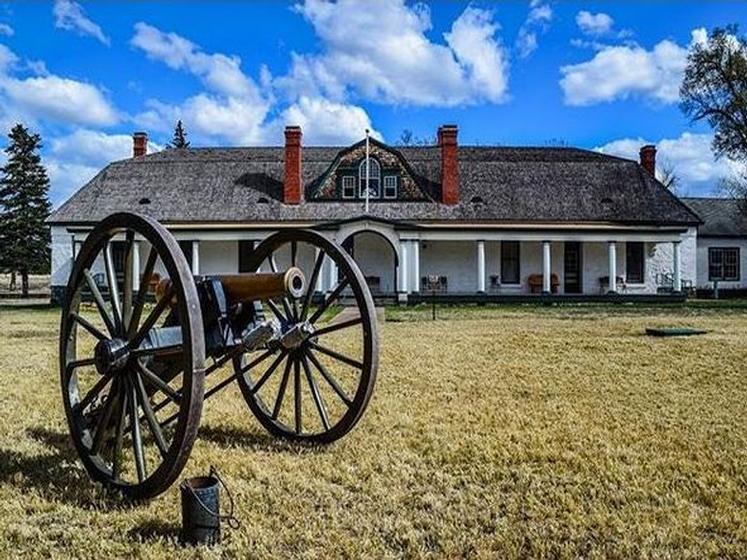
(377, 259)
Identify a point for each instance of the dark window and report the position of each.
(348, 186)
(390, 186)
(374, 179)
(186, 247)
(723, 263)
(634, 262)
(246, 248)
(510, 262)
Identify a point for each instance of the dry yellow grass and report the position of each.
(527, 432)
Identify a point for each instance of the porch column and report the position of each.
(677, 280)
(318, 285)
(195, 257)
(612, 253)
(481, 267)
(415, 265)
(332, 275)
(136, 265)
(403, 265)
(546, 268)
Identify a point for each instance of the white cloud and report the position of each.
(618, 72)
(58, 99)
(7, 59)
(594, 24)
(66, 178)
(690, 156)
(325, 122)
(6, 30)
(538, 20)
(402, 65)
(69, 15)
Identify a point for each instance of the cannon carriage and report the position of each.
(137, 362)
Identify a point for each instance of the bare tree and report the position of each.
(668, 176)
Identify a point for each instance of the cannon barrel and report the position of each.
(250, 286)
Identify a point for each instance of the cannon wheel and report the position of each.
(315, 392)
(109, 378)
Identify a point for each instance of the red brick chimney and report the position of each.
(648, 158)
(447, 140)
(292, 181)
(139, 144)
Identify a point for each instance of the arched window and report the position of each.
(374, 179)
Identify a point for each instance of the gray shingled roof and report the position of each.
(721, 216)
(497, 184)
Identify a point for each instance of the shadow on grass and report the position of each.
(226, 436)
(57, 476)
(155, 530)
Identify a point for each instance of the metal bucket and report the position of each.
(201, 509)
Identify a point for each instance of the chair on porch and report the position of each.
(535, 283)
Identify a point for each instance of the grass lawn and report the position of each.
(493, 432)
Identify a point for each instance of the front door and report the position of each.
(572, 267)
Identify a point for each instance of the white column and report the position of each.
(677, 281)
(415, 265)
(136, 265)
(331, 275)
(481, 267)
(195, 257)
(612, 253)
(546, 268)
(403, 264)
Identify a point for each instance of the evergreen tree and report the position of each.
(180, 137)
(24, 205)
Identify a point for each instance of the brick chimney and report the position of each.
(139, 144)
(648, 158)
(447, 140)
(292, 181)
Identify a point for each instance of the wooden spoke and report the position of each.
(137, 440)
(297, 387)
(294, 252)
(99, 299)
(269, 371)
(94, 392)
(152, 318)
(111, 280)
(142, 292)
(312, 285)
(80, 363)
(103, 422)
(338, 326)
(266, 354)
(332, 297)
(157, 382)
(127, 287)
(119, 436)
(275, 311)
(329, 378)
(145, 404)
(281, 389)
(337, 356)
(286, 307)
(318, 401)
(88, 326)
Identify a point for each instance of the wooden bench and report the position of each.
(535, 283)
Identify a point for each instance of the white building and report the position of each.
(477, 223)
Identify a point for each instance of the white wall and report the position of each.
(375, 257)
(219, 257)
(704, 243)
(62, 256)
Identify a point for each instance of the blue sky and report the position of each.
(599, 75)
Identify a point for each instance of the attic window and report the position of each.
(262, 200)
(477, 200)
(144, 200)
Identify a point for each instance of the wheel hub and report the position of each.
(111, 356)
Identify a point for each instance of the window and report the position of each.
(510, 273)
(246, 250)
(390, 186)
(348, 186)
(723, 263)
(634, 261)
(374, 178)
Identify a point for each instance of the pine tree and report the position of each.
(24, 205)
(180, 137)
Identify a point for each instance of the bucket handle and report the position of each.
(231, 519)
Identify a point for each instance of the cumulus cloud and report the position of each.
(594, 24)
(402, 65)
(6, 30)
(325, 122)
(538, 20)
(619, 72)
(689, 155)
(69, 15)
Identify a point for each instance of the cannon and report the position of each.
(143, 342)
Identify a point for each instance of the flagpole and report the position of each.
(368, 170)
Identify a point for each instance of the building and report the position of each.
(469, 222)
(722, 244)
